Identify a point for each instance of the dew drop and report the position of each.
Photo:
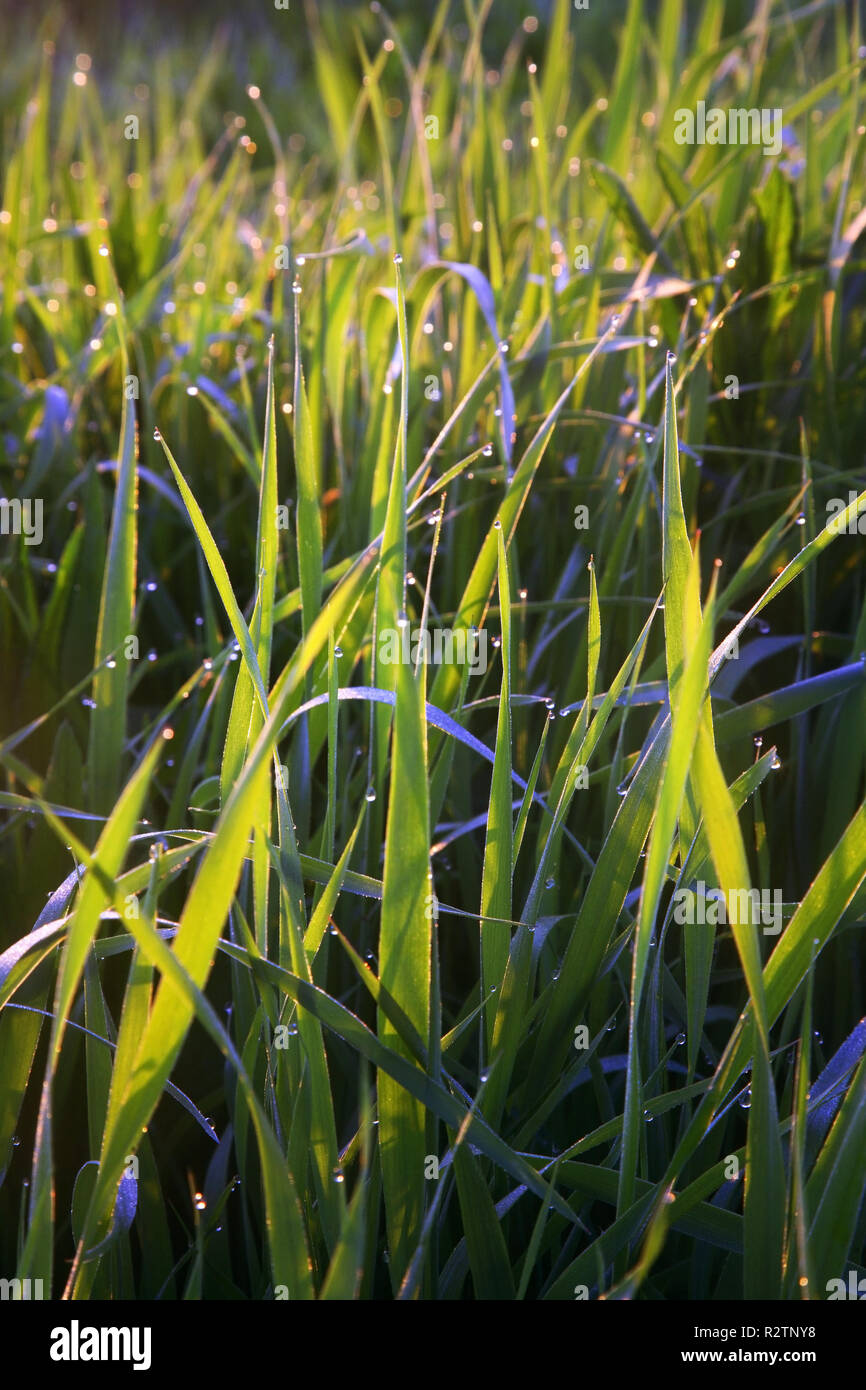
(681, 1037)
(550, 883)
(648, 1116)
(800, 519)
(200, 1202)
(775, 762)
(402, 620)
(671, 356)
(338, 1175)
(207, 664)
(151, 586)
(296, 287)
(338, 651)
(156, 434)
(503, 346)
(487, 451)
(497, 643)
(745, 1100)
(497, 525)
(15, 1141)
(151, 656)
(103, 250)
(111, 663)
(370, 794)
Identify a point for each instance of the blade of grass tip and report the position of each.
(116, 621)
(498, 847)
(677, 559)
(309, 527)
(485, 1243)
(479, 587)
(220, 576)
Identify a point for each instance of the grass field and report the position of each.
(524, 959)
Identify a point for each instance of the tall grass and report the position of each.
(360, 978)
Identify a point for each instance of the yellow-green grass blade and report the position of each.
(485, 1244)
(428, 1092)
(498, 847)
(111, 848)
(289, 1259)
(116, 622)
(685, 706)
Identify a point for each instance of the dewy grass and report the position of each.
(427, 601)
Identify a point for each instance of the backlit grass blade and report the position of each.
(405, 928)
(116, 623)
(498, 848)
